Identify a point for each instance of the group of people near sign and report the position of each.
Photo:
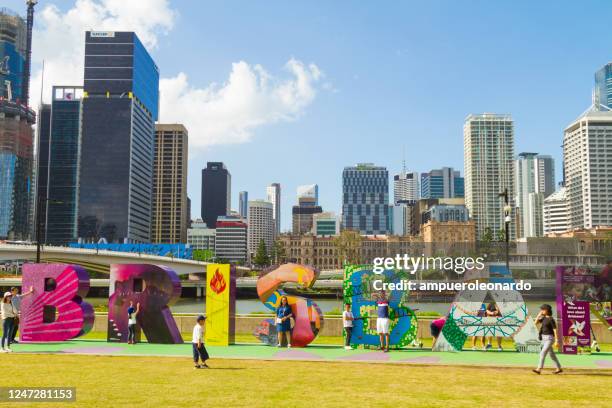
(11, 311)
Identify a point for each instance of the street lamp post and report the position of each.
(39, 222)
(507, 219)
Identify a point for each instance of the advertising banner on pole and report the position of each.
(220, 304)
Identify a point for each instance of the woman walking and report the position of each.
(283, 321)
(549, 337)
(8, 321)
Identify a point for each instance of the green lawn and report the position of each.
(105, 381)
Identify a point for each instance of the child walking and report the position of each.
(199, 351)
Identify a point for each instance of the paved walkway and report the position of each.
(317, 353)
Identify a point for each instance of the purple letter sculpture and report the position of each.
(55, 311)
(155, 287)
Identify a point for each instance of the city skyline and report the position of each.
(413, 57)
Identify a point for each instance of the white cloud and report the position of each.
(217, 114)
(251, 97)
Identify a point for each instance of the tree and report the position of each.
(261, 256)
(348, 244)
(277, 253)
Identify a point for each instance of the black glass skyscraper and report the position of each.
(120, 107)
(216, 192)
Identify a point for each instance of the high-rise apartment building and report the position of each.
(405, 187)
(602, 92)
(555, 214)
(16, 133)
(365, 199)
(442, 183)
(489, 169)
(273, 195)
(534, 180)
(261, 226)
(169, 219)
(243, 204)
(120, 107)
(587, 154)
(231, 238)
(216, 192)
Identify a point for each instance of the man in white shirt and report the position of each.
(347, 322)
(199, 351)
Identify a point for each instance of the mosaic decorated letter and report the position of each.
(466, 317)
(306, 313)
(359, 292)
(55, 311)
(155, 287)
(220, 304)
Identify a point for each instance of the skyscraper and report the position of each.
(216, 192)
(442, 183)
(405, 186)
(586, 158)
(555, 212)
(534, 180)
(310, 191)
(243, 204)
(16, 133)
(365, 199)
(303, 214)
(169, 219)
(602, 92)
(58, 172)
(231, 240)
(120, 108)
(273, 195)
(261, 226)
(489, 169)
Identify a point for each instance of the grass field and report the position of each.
(106, 381)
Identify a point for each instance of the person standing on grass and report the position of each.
(493, 311)
(8, 321)
(132, 312)
(383, 322)
(549, 336)
(16, 302)
(199, 351)
(283, 321)
(347, 322)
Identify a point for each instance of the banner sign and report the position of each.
(220, 304)
(575, 286)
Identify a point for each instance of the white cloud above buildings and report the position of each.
(220, 113)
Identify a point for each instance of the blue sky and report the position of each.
(397, 76)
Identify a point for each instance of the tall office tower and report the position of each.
(602, 92)
(365, 199)
(261, 225)
(534, 179)
(216, 192)
(188, 213)
(58, 161)
(442, 183)
(555, 212)
(587, 155)
(201, 237)
(243, 204)
(231, 239)
(401, 218)
(169, 219)
(309, 191)
(303, 214)
(273, 195)
(488, 141)
(40, 173)
(16, 133)
(120, 107)
(405, 187)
